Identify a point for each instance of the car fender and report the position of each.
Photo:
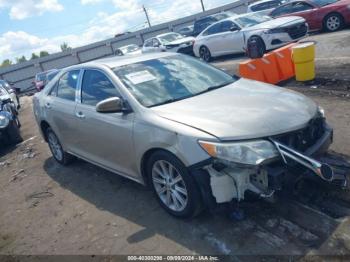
(176, 138)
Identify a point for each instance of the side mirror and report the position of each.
(233, 29)
(110, 105)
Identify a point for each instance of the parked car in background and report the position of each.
(264, 6)
(328, 15)
(169, 42)
(229, 36)
(204, 22)
(192, 132)
(10, 92)
(128, 49)
(9, 122)
(51, 75)
(186, 31)
(41, 79)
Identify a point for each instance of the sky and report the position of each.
(28, 26)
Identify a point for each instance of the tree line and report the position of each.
(7, 62)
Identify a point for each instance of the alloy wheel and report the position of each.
(333, 23)
(205, 54)
(169, 185)
(55, 146)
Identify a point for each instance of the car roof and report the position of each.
(170, 33)
(232, 18)
(213, 15)
(117, 61)
(261, 2)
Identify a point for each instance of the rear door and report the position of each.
(59, 108)
(103, 138)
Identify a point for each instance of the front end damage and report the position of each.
(298, 152)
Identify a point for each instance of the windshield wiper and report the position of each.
(210, 88)
(170, 100)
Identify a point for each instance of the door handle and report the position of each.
(80, 115)
(48, 105)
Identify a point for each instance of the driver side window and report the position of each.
(227, 25)
(300, 6)
(96, 87)
(155, 42)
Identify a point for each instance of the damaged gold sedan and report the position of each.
(198, 136)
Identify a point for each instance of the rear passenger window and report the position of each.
(67, 85)
(96, 87)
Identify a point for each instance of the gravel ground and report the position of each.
(81, 209)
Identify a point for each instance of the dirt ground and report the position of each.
(82, 209)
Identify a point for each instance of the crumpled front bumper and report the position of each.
(222, 183)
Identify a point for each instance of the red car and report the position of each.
(328, 15)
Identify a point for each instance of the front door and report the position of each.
(232, 38)
(104, 138)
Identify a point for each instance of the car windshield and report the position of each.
(129, 48)
(168, 79)
(251, 20)
(324, 2)
(52, 75)
(41, 77)
(169, 37)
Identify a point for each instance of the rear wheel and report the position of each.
(57, 151)
(333, 22)
(173, 186)
(204, 53)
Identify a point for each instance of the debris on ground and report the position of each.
(5, 163)
(18, 176)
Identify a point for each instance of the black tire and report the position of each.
(193, 198)
(204, 54)
(260, 45)
(333, 22)
(13, 133)
(63, 157)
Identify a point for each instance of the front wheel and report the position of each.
(13, 133)
(204, 54)
(173, 186)
(333, 22)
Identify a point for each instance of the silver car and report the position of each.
(196, 135)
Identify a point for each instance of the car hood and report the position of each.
(4, 97)
(245, 109)
(277, 22)
(181, 41)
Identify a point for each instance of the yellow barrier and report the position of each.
(304, 61)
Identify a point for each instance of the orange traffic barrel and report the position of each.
(285, 64)
(248, 70)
